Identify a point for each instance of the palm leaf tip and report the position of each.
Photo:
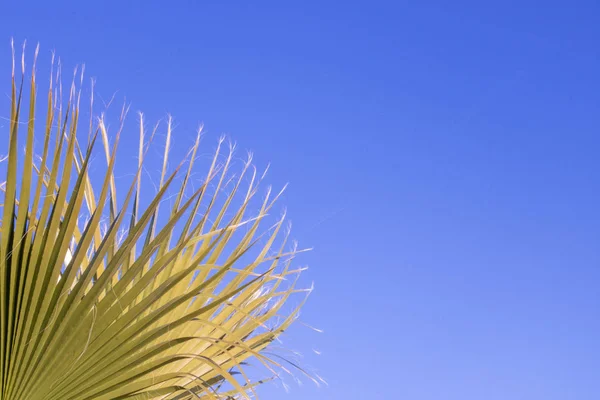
(108, 295)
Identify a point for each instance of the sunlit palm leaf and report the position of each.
(101, 301)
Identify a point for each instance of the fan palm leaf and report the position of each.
(102, 299)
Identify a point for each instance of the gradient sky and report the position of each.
(442, 160)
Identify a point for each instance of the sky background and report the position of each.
(442, 160)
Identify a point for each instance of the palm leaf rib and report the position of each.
(107, 297)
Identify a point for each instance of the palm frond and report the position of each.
(105, 298)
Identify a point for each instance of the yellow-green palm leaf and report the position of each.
(102, 298)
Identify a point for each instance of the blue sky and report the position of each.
(442, 160)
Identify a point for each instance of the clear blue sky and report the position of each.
(443, 161)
